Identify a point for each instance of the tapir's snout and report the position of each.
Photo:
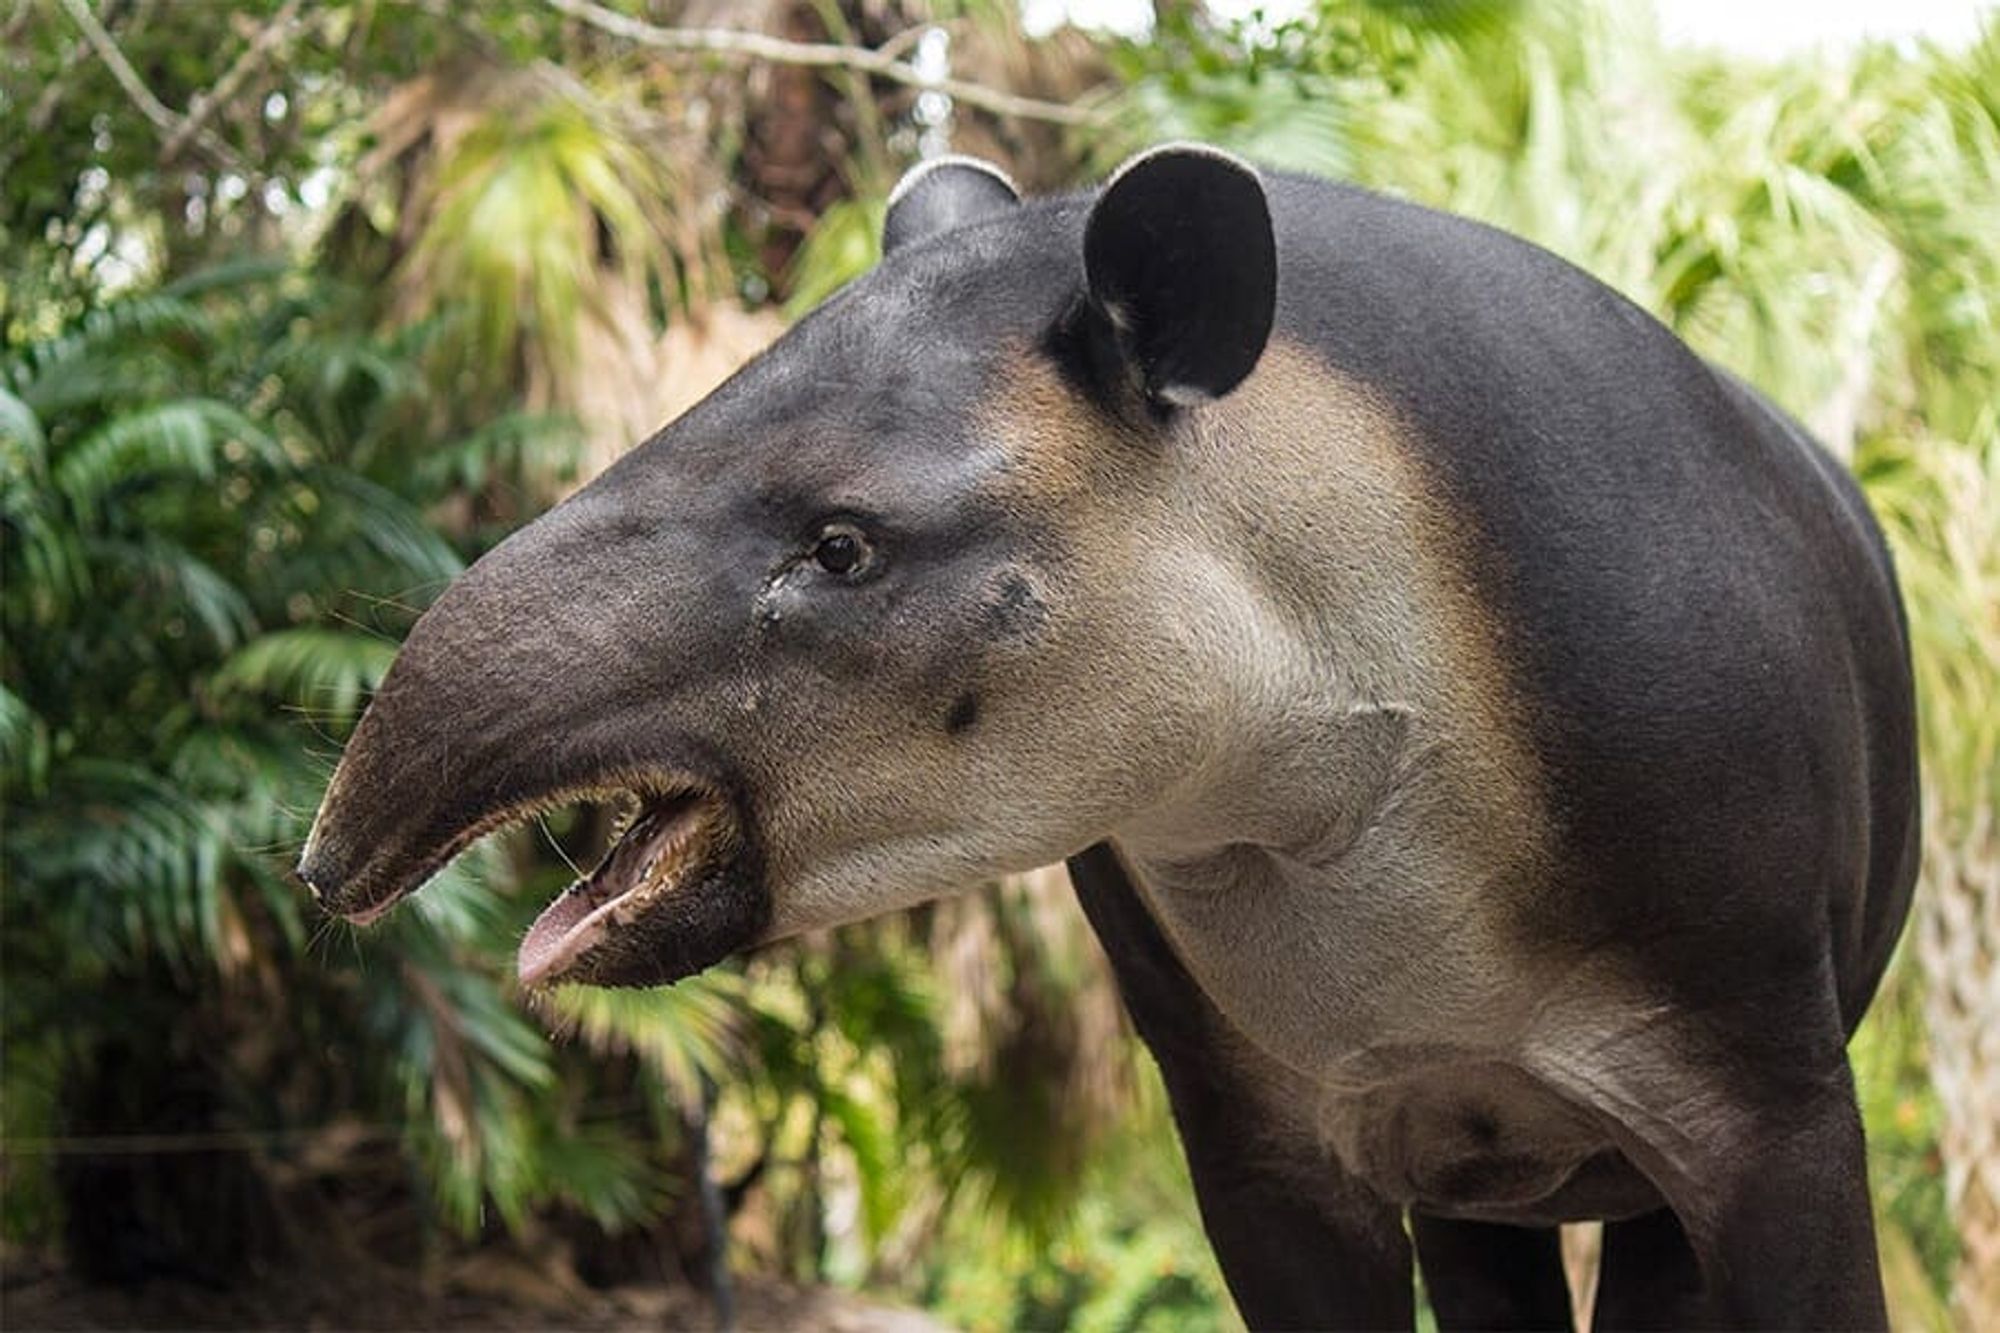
(525, 687)
(488, 668)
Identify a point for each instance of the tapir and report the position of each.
(1479, 730)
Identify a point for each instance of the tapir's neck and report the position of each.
(1356, 854)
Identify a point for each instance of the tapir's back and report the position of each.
(1701, 623)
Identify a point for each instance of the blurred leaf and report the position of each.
(685, 1033)
(844, 243)
(187, 438)
(325, 672)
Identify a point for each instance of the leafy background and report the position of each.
(303, 305)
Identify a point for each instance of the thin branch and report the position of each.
(906, 40)
(121, 69)
(203, 106)
(734, 44)
(164, 118)
(17, 22)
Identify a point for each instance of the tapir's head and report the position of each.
(904, 605)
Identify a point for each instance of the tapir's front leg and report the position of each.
(1300, 1246)
(1776, 1233)
(1750, 1131)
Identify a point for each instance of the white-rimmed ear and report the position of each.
(943, 193)
(1181, 261)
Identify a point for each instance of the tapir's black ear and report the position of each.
(943, 193)
(1181, 262)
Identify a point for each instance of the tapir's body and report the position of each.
(1689, 792)
(1481, 732)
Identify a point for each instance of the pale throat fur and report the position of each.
(1364, 776)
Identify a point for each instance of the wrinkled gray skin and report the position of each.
(1480, 732)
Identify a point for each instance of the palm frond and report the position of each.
(23, 446)
(326, 672)
(53, 570)
(548, 196)
(344, 387)
(192, 438)
(869, 1129)
(512, 445)
(24, 743)
(129, 860)
(465, 902)
(366, 530)
(685, 1034)
(155, 565)
(151, 320)
(603, 1170)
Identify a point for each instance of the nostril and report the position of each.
(311, 875)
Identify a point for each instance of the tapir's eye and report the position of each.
(841, 549)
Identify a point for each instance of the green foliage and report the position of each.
(321, 671)
(851, 1044)
(1220, 86)
(845, 242)
(686, 1036)
(550, 200)
(1890, 1056)
(1128, 1254)
(84, 169)
(201, 586)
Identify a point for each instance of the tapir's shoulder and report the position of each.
(1698, 610)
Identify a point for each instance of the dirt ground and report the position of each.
(474, 1296)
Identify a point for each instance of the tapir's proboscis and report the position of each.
(1479, 730)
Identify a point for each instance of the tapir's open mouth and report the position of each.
(669, 845)
(680, 888)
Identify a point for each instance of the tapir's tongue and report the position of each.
(667, 846)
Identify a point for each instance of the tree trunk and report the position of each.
(1958, 943)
